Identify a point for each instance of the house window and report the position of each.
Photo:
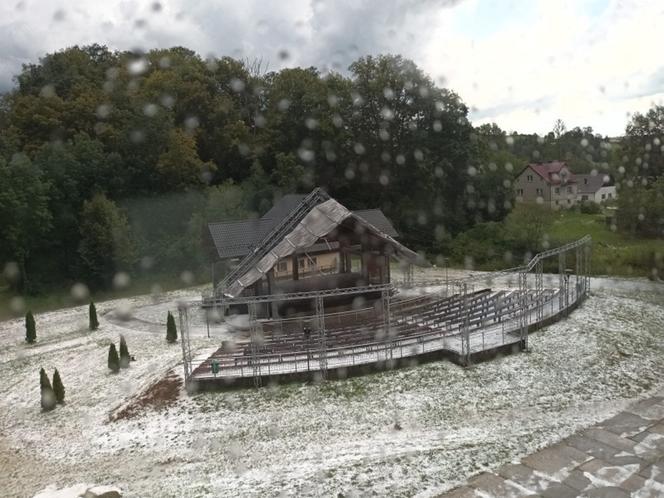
(282, 267)
(540, 191)
(557, 190)
(585, 181)
(569, 201)
(300, 263)
(584, 197)
(557, 203)
(529, 178)
(519, 191)
(603, 196)
(569, 190)
(610, 195)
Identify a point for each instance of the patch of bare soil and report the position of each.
(157, 396)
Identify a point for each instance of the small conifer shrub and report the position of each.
(92, 312)
(171, 330)
(30, 328)
(58, 387)
(113, 359)
(124, 353)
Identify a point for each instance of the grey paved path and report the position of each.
(620, 457)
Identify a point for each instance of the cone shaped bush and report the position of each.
(30, 328)
(58, 387)
(124, 353)
(113, 359)
(44, 383)
(171, 330)
(94, 323)
(46, 392)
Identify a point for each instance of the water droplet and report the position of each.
(137, 66)
(47, 91)
(187, 277)
(150, 110)
(80, 292)
(167, 101)
(283, 105)
(17, 305)
(191, 123)
(11, 271)
(237, 85)
(137, 136)
(121, 280)
(103, 111)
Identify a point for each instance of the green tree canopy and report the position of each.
(105, 246)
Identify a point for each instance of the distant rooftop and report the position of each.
(550, 172)
(589, 184)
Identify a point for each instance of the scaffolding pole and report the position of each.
(387, 324)
(183, 316)
(322, 340)
(465, 324)
(254, 328)
(539, 289)
(523, 311)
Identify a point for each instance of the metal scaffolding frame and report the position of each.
(523, 309)
(314, 198)
(513, 319)
(298, 296)
(539, 289)
(256, 339)
(465, 326)
(185, 341)
(387, 322)
(322, 339)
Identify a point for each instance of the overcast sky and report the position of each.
(520, 63)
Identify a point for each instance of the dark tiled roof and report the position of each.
(589, 184)
(376, 218)
(234, 239)
(283, 206)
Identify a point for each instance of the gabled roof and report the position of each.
(589, 184)
(283, 206)
(318, 222)
(550, 172)
(233, 239)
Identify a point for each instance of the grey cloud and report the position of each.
(328, 35)
(495, 111)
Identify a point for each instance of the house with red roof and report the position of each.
(551, 184)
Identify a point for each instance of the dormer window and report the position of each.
(529, 178)
(585, 181)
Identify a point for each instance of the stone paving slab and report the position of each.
(619, 458)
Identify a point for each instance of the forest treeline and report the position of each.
(117, 160)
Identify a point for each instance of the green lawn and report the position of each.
(57, 298)
(613, 252)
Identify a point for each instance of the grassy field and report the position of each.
(62, 297)
(613, 252)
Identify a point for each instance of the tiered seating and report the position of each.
(410, 318)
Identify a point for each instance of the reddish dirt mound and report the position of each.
(158, 396)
